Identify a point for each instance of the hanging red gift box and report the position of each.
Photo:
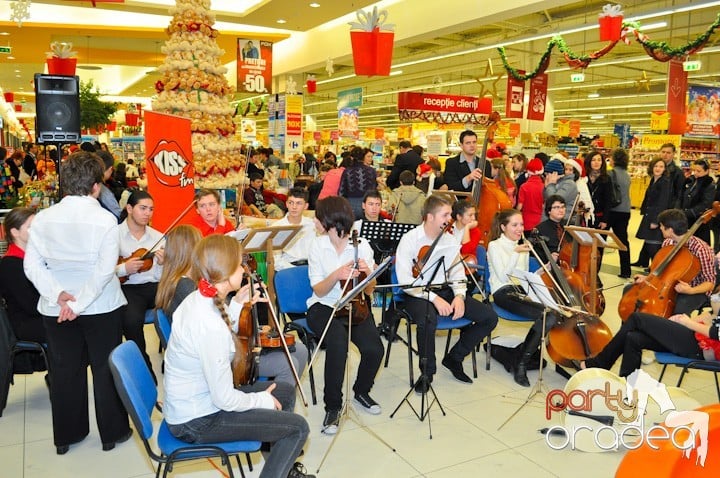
(131, 119)
(61, 66)
(9, 97)
(18, 108)
(112, 126)
(311, 84)
(372, 52)
(610, 21)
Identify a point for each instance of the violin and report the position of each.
(142, 254)
(425, 252)
(147, 255)
(487, 196)
(359, 308)
(246, 361)
(577, 335)
(576, 258)
(656, 295)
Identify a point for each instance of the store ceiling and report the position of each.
(629, 82)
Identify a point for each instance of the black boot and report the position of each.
(526, 351)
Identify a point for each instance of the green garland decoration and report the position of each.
(661, 51)
(540, 69)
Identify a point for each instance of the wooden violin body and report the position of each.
(245, 363)
(144, 255)
(271, 339)
(657, 295)
(359, 308)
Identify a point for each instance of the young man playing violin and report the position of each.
(695, 294)
(449, 299)
(210, 218)
(552, 229)
(139, 273)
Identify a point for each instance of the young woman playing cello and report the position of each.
(505, 254)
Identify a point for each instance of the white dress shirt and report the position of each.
(324, 260)
(198, 375)
(73, 247)
(299, 247)
(128, 245)
(408, 249)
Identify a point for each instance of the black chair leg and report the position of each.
(662, 372)
(240, 467)
(488, 352)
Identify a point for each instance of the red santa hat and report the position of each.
(535, 166)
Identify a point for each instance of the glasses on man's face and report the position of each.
(561, 206)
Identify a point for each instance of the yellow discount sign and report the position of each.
(659, 120)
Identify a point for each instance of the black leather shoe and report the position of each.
(122, 439)
(61, 450)
(624, 276)
(456, 369)
(423, 386)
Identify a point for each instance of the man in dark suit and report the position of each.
(462, 170)
(407, 160)
(30, 162)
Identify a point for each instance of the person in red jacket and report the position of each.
(530, 195)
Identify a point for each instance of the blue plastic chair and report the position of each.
(293, 289)
(162, 327)
(444, 322)
(667, 358)
(138, 393)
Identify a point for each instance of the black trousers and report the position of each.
(618, 222)
(366, 338)
(509, 299)
(425, 316)
(72, 345)
(140, 297)
(646, 332)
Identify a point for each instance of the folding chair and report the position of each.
(667, 358)
(138, 393)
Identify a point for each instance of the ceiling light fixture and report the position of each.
(314, 5)
(396, 72)
(594, 94)
(281, 20)
(597, 117)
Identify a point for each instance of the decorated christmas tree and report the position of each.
(193, 85)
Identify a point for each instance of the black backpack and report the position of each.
(615, 193)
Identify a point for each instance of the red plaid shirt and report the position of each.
(704, 253)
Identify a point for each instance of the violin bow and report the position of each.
(150, 252)
(567, 222)
(547, 270)
(263, 290)
(241, 196)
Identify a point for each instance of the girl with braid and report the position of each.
(201, 404)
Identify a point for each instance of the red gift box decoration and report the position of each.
(18, 108)
(131, 119)
(610, 21)
(372, 52)
(9, 97)
(311, 84)
(61, 66)
(112, 126)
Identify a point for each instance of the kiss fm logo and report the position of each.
(170, 166)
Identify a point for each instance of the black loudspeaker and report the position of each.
(57, 106)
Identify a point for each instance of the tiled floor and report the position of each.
(465, 442)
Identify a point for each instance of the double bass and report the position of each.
(656, 295)
(487, 197)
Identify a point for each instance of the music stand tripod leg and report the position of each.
(539, 386)
(424, 379)
(345, 408)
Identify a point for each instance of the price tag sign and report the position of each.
(254, 66)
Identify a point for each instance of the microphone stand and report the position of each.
(424, 381)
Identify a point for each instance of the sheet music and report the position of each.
(239, 234)
(536, 289)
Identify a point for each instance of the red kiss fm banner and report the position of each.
(538, 97)
(170, 168)
(254, 65)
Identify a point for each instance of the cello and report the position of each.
(577, 335)
(576, 258)
(246, 361)
(656, 295)
(487, 197)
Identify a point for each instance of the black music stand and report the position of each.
(385, 236)
(423, 380)
(345, 300)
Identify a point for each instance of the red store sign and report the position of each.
(443, 108)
